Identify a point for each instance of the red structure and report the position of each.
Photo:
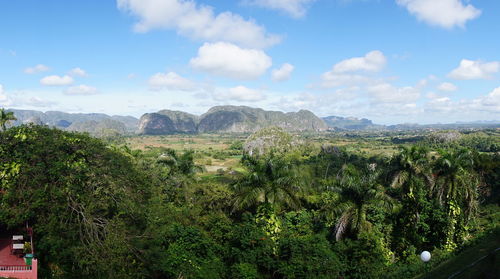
(12, 263)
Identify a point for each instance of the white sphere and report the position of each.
(425, 256)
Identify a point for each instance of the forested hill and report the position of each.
(96, 124)
(228, 119)
(350, 123)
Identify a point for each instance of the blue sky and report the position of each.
(391, 61)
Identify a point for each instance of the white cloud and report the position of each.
(439, 104)
(387, 93)
(171, 81)
(330, 79)
(373, 61)
(38, 102)
(4, 99)
(447, 86)
(469, 69)
(36, 69)
(77, 72)
(56, 80)
(81, 90)
(294, 8)
(197, 22)
(283, 73)
(225, 59)
(442, 13)
(239, 94)
(490, 102)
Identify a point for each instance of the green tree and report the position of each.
(411, 169)
(352, 196)
(410, 175)
(456, 188)
(85, 202)
(5, 117)
(270, 181)
(180, 163)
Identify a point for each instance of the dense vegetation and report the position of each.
(106, 211)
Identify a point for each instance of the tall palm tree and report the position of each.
(411, 169)
(5, 117)
(270, 181)
(456, 181)
(354, 194)
(412, 175)
(183, 163)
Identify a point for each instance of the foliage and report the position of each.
(334, 208)
(5, 118)
(350, 200)
(270, 180)
(82, 199)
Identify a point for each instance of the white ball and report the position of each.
(425, 256)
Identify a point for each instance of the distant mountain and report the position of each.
(100, 128)
(237, 119)
(93, 123)
(167, 122)
(219, 119)
(350, 123)
(228, 119)
(458, 125)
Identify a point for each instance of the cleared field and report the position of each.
(214, 152)
(184, 142)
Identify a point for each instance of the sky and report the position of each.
(391, 61)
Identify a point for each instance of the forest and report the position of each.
(292, 206)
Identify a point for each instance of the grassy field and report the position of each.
(184, 142)
(216, 151)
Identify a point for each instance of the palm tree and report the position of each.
(354, 194)
(456, 182)
(5, 117)
(412, 175)
(412, 168)
(271, 181)
(183, 164)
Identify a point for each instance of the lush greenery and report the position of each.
(317, 210)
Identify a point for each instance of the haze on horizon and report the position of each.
(394, 61)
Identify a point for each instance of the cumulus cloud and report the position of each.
(283, 73)
(56, 80)
(294, 8)
(331, 79)
(38, 102)
(387, 93)
(81, 90)
(171, 81)
(490, 102)
(197, 22)
(77, 72)
(486, 105)
(447, 86)
(442, 13)
(239, 94)
(346, 72)
(36, 69)
(228, 60)
(469, 69)
(4, 99)
(373, 61)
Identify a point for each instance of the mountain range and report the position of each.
(218, 119)
(228, 119)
